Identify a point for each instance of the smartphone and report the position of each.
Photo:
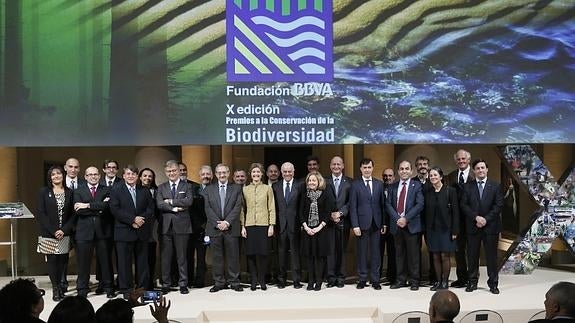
(150, 296)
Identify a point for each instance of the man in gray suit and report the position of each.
(287, 196)
(339, 186)
(174, 198)
(223, 204)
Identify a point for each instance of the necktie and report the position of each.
(73, 184)
(110, 183)
(286, 193)
(461, 181)
(480, 186)
(368, 185)
(93, 191)
(222, 197)
(173, 190)
(336, 184)
(133, 193)
(401, 202)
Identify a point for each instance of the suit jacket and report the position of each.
(95, 222)
(124, 212)
(104, 181)
(452, 179)
(414, 204)
(198, 211)
(232, 208)
(445, 207)
(47, 215)
(342, 199)
(180, 221)
(366, 207)
(287, 212)
(489, 206)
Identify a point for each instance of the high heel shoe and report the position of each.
(57, 295)
(435, 286)
(263, 286)
(310, 286)
(444, 285)
(317, 286)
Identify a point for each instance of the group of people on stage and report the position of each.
(122, 219)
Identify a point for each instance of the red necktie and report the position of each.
(401, 202)
(93, 191)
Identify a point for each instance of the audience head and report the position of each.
(480, 169)
(436, 176)
(312, 164)
(314, 181)
(560, 300)
(172, 170)
(444, 306)
(115, 311)
(73, 309)
(92, 175)
(240, 177)
(21, 300)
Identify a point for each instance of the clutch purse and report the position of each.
(52, 246)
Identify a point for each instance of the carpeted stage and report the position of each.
(520, 298)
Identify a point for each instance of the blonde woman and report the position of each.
(258, 219)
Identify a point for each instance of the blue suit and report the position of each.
(408, 239)
(366, 213)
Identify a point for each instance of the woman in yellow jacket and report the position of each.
(258, 219)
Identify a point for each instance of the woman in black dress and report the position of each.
(55, 211)
(315, 210)
(442, 225)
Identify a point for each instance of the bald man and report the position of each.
(443, 307)
(559, 304)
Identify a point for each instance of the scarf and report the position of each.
(313, 217)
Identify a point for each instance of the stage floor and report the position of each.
(521, 296)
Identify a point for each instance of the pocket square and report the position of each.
(182, 192)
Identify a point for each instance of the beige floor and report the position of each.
(520, 298)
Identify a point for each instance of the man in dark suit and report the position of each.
(387, 241)
(197, 246)
(366, 204)
(223, 204)
(110, 168)
(403, 205)
(422, 169)
(559, 304)
(94, 225)
(173, 200)
(339, 185)
(457, 179)
(133, 210)
(482, 202)
(287, 198)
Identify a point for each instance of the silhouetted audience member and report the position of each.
(21, 301)
(559, 304)
(73, 309)
(443, 307)
(120, 310)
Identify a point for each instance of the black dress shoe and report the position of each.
(494, 290)
(459, 284)
(434, 287)
(99, 291)
(414, 287)
(331, 284)
(281, 285)
(317, 286)
(184, 290)
(110, 294)
(361, 285)
(297, 285)
(443, 285)
(56, 295)
(216, 289)
(397, 285)
(237, 288)
(340, 284)
(470, 287)
(165, 290)
(263, 287)
(253, 287)
(310, 286)
(376, 286)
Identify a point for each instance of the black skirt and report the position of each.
(257, 240)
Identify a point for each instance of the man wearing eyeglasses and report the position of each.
(110, 168)
(94, 225)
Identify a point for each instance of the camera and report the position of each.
(150, 296)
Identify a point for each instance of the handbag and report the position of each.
(52, 246)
